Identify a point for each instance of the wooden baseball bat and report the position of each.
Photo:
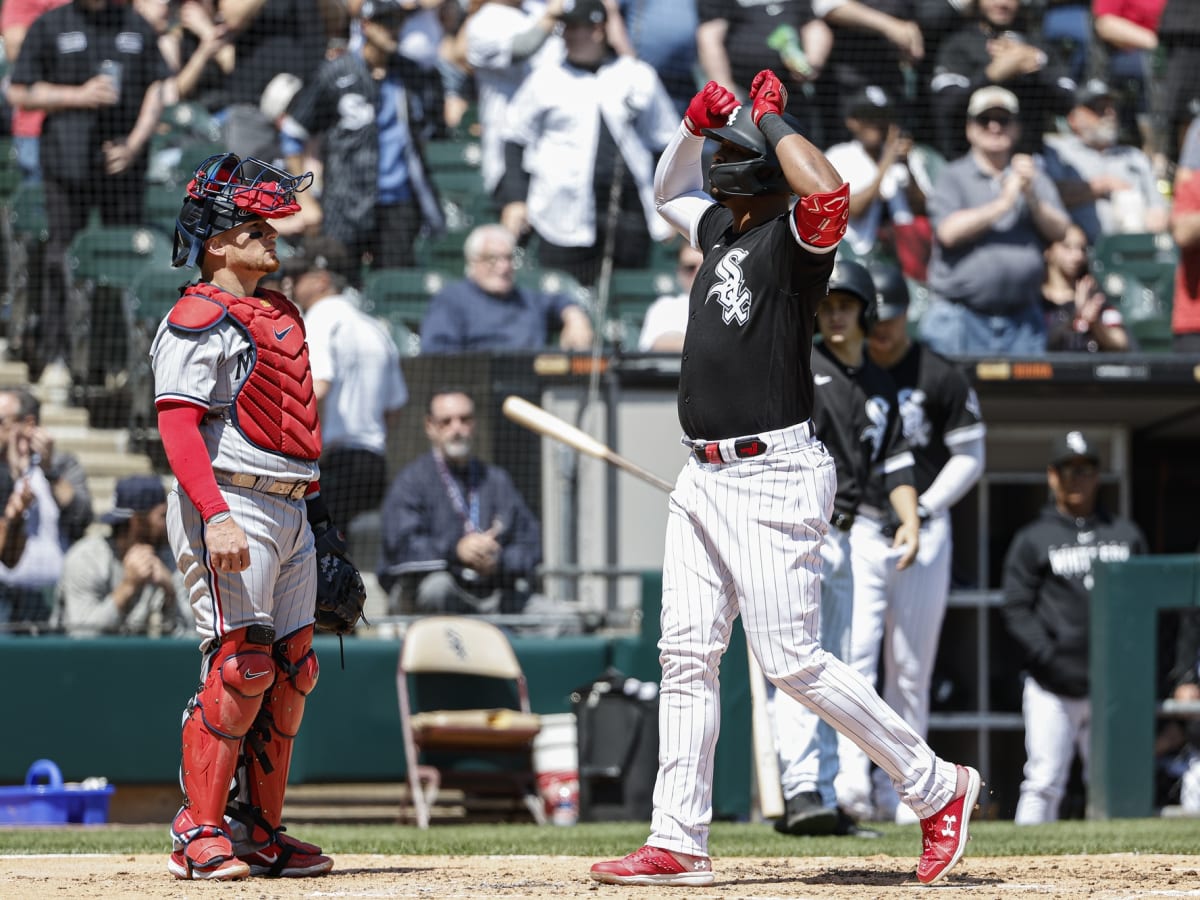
(537, 419)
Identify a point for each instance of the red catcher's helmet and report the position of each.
(226, 192)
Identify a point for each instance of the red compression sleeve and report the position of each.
(179, 429)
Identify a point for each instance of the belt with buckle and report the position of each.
(842, 521)
(729, 451)
(293, 490)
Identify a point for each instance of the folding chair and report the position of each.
(463, 703)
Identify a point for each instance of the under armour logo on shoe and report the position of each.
(948, 829)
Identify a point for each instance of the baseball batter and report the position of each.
(856, 418)
(238, 420)
(750, 509)
(903, 607)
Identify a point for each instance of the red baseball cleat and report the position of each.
(286, 857)
(202, 852)
(944, 834)
(653, 865)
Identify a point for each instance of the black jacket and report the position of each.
(1047, 590)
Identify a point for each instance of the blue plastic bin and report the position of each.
(45, 800)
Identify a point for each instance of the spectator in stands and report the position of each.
(884, 191)
(456, 524)
(503, 42)
(47, 482)
(735, 40)
(377, 196)
(1128, 30)
(996, 49)
(871, 43)
(16, 497)
(268, 37)
(1179, 36)
(1079, 317)
(992, 213)
(102, 103)
(15, 18)
(584, 139)
(206, 54)
(487, 310)
(1106, 187)
(1047, 588)
(1185, 229)
(356, 377)
(666, 318)
(126, 582)
(32, 445)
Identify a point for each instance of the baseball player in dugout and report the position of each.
(1047, 598)
(250, 533)
(856, 417)
(752, 506)
(902, 607)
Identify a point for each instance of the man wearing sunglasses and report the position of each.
(238, 417)
(992, 211)
(1047, 594)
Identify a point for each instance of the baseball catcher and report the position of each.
(238, 417)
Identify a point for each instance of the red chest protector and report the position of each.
(275, 407)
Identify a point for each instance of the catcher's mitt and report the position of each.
(340, 591)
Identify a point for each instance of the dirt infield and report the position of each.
(540, 878)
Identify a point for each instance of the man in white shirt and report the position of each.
(505, 39)
(884, 184)
(666, 318)
(573, 130)
(356, 377)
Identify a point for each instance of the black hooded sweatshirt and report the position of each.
(1047, 590)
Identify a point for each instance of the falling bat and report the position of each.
(537, 419)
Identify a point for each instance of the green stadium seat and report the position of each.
(400, 297)
(162, 204)
(631, 291)
(113, 255)
(10, 172)
(453, 155)
(27, 212)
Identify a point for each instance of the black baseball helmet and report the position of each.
(750, 177)
(228, 191)
(854, 278)
(891, 290)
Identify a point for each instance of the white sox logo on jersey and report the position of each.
(877, 414)
(912, 417)
(730, 289)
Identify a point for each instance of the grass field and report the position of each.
(1143, 836)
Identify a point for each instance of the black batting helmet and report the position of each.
(852, 277)
(228, 191)
(891, 290)
(749, 177)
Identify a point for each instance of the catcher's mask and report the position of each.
(228, 191)
(752, 177)
(854, 278)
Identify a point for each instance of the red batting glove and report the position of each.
(767, 95)
(710, 108)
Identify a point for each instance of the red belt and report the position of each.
(724, 451)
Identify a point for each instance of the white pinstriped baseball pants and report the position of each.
(902, 611)
(744, 538)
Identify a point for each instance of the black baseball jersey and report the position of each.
(1048, 587)
(69, 45)
(745, 362)
(856, 417)
(938, 409)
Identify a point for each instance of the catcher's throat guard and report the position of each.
(227, 191)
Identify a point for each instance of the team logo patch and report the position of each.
(730, 288)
